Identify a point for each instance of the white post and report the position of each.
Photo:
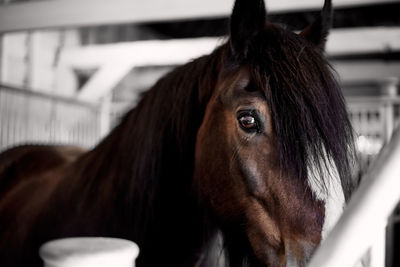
(367, 212)
(89, 252)
(390, 90)
(378, 249)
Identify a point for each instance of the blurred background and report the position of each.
(69, 69)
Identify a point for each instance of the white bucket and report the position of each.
(89, 252)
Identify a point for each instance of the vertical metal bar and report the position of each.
(2, 57)
(29, 60)
(4, 121)
(10, 136)
(2, 113)
(8, 124)
(27, 134)
(389, 119)
(105, 111)
(389, 243)
(17, 118)
(390, 89)
(52, 121)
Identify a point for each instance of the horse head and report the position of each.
(272, 152)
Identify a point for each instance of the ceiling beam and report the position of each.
(142, 53)
(355, 72)
(340, 42)
(116, 60)
(355, 41)
(75, 13)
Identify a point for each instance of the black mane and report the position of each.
(307, 107)
(155, 144)
(155, 159)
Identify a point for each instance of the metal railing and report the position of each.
(27, 116)
(366, 216)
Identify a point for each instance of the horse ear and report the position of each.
(317, 32)
(248, 18)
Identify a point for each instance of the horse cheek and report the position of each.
(217, 186)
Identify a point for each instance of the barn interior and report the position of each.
(70, 69)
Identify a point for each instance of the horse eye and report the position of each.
(248, 122)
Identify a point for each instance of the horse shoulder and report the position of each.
(28, 177)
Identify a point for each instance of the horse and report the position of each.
(241, 157)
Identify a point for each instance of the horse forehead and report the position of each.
(234, 79)
(239, 87)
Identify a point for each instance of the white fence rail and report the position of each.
(367, 213)
(33, 117)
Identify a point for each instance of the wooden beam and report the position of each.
(355, 41)
(340, 42)
(142, 53)
(75, 13)
(34, 93)
(366, 71)
(109, 75)
(116, 60)
(104, 80)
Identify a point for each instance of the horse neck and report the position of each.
(143, 169)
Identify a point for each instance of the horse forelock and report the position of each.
(307, 107)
